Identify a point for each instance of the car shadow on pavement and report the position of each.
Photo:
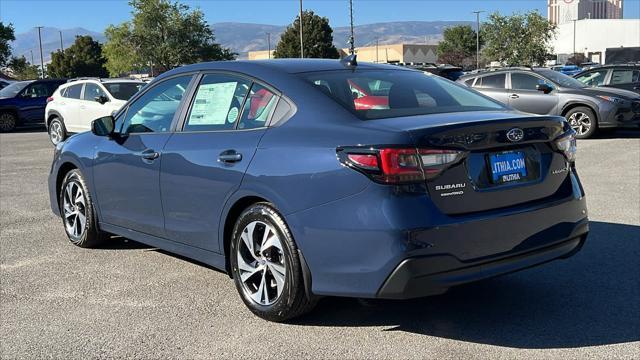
(616, 134)
(121, 243)
(587, 300)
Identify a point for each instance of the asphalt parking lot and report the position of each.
(129, 300)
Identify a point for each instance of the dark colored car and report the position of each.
(548, 92)
(23, 102)
(268, 170)
(626, 77)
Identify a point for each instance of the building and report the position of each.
(593, 36)
(564, 11)
(393, 53)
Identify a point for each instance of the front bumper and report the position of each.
(624, 115)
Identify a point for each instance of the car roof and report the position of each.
(289, 66)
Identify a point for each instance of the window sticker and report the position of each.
(211, 106)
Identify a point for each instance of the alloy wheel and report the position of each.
(75, 211)
(261, 263)
(55, 132)
(7, 122)
(580, 122)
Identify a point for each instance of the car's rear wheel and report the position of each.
(266, 267)
(583, 121)
(78, 215)
(8, 122)
(57, 131)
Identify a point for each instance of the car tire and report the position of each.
(78, 213)
(261, 250)
(57, 131)
(583, 121)
(8, 122)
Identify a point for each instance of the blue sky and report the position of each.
(97, 14)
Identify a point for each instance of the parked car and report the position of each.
(544, 91)
(269, 171)
(626, 77)
(4, 83)
(450, 72)
(23, 102)
(570, 70)
(78, 102)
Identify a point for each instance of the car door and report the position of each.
(493, 86)
(71, 112)
(204, 164)
(33, 100)
(90, 108)
(126, 167)
(524, 96)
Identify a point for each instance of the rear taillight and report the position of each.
(399, 165)
(49, 99)
(566, 144)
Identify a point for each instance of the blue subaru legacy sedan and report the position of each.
(274, 172)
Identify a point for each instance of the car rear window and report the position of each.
(123, 90)
(378, 94)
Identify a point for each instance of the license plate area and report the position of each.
(508, 167)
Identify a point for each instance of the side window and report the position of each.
(469, 82)
(36, 90)
(217, 102)
(626, 76)
(91, 91)
(593, 78)
(154, 111)
(257, 108)
(73, 91)
(520, 81)
(492, 81)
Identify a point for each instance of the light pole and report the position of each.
(269, 43)
(61, 45)
(41, 57)
(301, 42)
(352, 48)
(574, 39)
(477, 37)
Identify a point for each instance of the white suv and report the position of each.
(74, 105)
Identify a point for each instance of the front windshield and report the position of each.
(378, 94)
(123, 90)
(561, 79)
(13, 89)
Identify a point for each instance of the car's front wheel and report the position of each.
(8, 122)
(583, 121)
(78, 214)
(266, 267)
(57, 131)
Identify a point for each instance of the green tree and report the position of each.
(317, 38)
(6, 35)
(83, 58)
(22, 70)
(121, 56)
(164, 35)
(520, 39)
(458, 46)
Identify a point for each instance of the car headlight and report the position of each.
(567, 145)
(612, 99)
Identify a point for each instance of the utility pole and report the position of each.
(301, 42)
(269, 43)
(352, 48)
(574, 39)
(61, 45)
(41, 57)
(478, 37)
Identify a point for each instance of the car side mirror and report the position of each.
(544, 88)
(101, 99)
(103, 126)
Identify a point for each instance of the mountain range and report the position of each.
(244, 37)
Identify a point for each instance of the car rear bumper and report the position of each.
(433, 275)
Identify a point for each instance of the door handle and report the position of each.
(229, 156)
(514, 96)
(150, 155)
